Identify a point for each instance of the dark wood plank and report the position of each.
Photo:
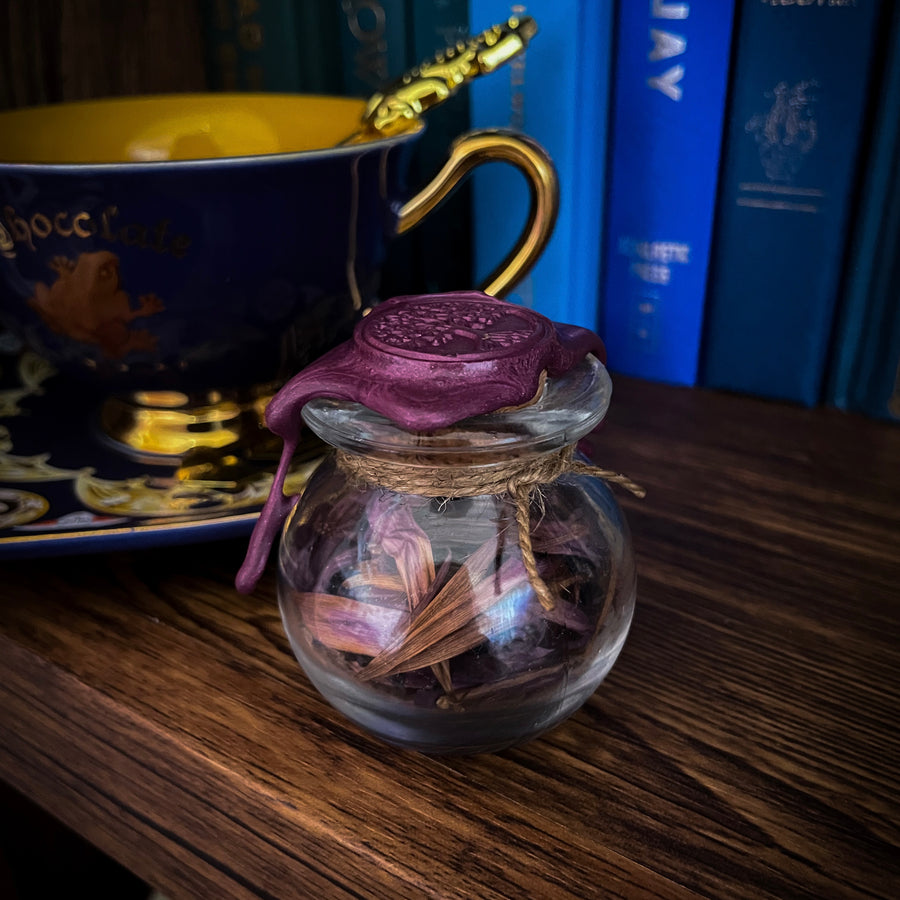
(229, 751)
(745, 745)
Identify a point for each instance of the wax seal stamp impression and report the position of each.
(428, 361)
(469, 327)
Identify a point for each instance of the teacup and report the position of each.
(180, 247)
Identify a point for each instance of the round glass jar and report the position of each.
(465, 589)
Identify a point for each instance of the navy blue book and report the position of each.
(864, 374)
(559, 95)
(798, 113)
(669, 89)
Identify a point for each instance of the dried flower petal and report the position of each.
(371, 586)
(348, 625)
(396, 531)
(448, 625)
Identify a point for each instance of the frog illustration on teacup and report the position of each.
(87, 303)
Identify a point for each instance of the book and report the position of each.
(320, 63)
(864, 365)
(875, 388)
(373, 44)
(798, 111)
(441, 259)
(668, 111)
(558, 93)
(273, 46)
(374, 50)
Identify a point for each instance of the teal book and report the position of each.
(558, 94)
(799, 109)
(864, 372)
(441, 258)
(373, 43)
(279, 46)
(318, 30)
(374, 48)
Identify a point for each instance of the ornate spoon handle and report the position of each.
(395, 108)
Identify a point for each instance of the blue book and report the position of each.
(669, 89)
(864, 369)
(559, 97)
(798, 113)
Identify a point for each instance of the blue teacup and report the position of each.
(194, 244)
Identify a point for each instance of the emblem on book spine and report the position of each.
(788, 132)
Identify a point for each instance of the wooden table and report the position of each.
(745, 745)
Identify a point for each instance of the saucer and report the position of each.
(66, 487)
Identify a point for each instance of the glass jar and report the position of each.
(461, 589)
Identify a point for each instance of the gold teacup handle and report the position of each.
(493, 145)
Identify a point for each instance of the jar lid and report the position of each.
(424, 362)
(427, 361)
(564, 410)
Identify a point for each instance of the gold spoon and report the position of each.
(399, 105)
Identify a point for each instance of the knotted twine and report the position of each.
(518, 477)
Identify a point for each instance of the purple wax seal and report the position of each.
(425, 362)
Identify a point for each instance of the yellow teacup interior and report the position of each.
(178, 126)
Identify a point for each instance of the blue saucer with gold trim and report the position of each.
(67, 487)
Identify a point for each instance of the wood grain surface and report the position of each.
(746, 744)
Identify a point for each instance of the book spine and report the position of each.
(443, 245)
(864, 366)
(252, 46)
(319, 59)
(559, 95)
(798, 113)
(876, 387)
(373, 40)
(669, 89)
(374, 46)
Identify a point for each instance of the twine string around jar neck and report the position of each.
(517, 477)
